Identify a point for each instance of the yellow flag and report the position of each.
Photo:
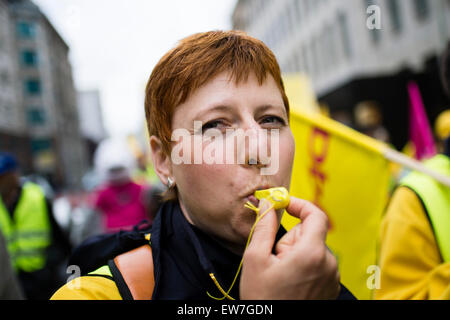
(345, 174)
(299, 90)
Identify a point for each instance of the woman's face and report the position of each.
(212, 195)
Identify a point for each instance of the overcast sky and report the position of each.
(114, 45)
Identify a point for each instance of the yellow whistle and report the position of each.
(278, 197)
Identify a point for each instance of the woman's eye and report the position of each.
(273, 120)
(215, 124)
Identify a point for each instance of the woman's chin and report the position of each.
(245, 224)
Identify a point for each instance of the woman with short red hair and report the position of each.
(199, 95)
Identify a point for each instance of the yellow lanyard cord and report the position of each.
(226, 294)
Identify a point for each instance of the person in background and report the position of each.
(415, 244)
(37, 246)
(369, 120)
(9, 284)
(145, 173)
(121, 201)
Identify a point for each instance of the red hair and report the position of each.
(196, 60)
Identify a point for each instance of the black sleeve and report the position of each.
(345, 294)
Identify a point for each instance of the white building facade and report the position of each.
(11, 119)
(330, 39)
(357, 50)
(38, 109)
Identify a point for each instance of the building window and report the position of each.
(36, 116)
(297, 11)
(317, 56)
(305, 60)
(343, 28)
(4, 78)
(38, 145)
(422, 9)
(323, 47)
(26, 30)
(29, 58)
(395, 13)
(331, 51)
(32, 87)
(312, 59)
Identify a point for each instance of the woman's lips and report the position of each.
(251, 197)
(253, 200)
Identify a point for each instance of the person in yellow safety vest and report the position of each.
(414, 255)
(145, 174)
(415, 239)
(29, 230)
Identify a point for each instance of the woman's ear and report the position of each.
(161, 160)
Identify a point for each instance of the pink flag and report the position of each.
(419, 128)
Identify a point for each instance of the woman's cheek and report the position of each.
(202, 181)
(287, 153)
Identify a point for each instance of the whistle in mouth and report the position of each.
(278, 197)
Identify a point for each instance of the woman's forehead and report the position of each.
(223, 92)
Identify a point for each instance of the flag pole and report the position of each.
(413, 164)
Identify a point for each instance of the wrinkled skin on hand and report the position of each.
(302, 267)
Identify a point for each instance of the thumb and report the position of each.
(265, 230)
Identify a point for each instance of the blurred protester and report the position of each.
(9, 285)
(343, 116)
(369, 120)
(442, 129)
(145, 173)
(37, 246)
(121, 200)
(415, 243)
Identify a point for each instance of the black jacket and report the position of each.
(184, 256)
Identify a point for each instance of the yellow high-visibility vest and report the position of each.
(28, 231)
(436, 199)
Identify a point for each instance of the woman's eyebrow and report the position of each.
(217, 108)
(226, 108)
(266, 107)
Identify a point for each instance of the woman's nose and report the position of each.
(254, 146)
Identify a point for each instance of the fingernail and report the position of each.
(264, 204)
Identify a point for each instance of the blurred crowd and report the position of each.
(39, 229)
